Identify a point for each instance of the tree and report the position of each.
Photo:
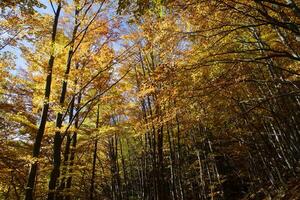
(150, 100)
(44, 115)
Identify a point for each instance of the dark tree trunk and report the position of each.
(73, 149)
(59, 119)
(39, 136)
(92, 188)
(125, 176)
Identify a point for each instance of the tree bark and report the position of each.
(92, 188)
(40, 133)
(59, 119)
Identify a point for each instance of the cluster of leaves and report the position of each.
(185, 100)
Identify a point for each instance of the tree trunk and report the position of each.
(92, 188)
(41, 130)
(73, 149)
(59, 119)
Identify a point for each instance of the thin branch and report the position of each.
(93, 99)
(52, 6)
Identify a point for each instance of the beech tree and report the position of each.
(151, 100)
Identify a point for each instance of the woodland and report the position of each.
(149, 99)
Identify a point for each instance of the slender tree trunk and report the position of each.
(92, 188)
(69, 138)
(124, 172)
(67, 151)
(161, 182)
(112, 168)
(172, 162)
(73, 149)
(59, 119)
(39, 136)
(118, 179)
(182, 194)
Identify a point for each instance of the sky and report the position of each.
(20, 61)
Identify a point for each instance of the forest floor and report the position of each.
(291, 192)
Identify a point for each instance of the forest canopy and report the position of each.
(149, 99)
